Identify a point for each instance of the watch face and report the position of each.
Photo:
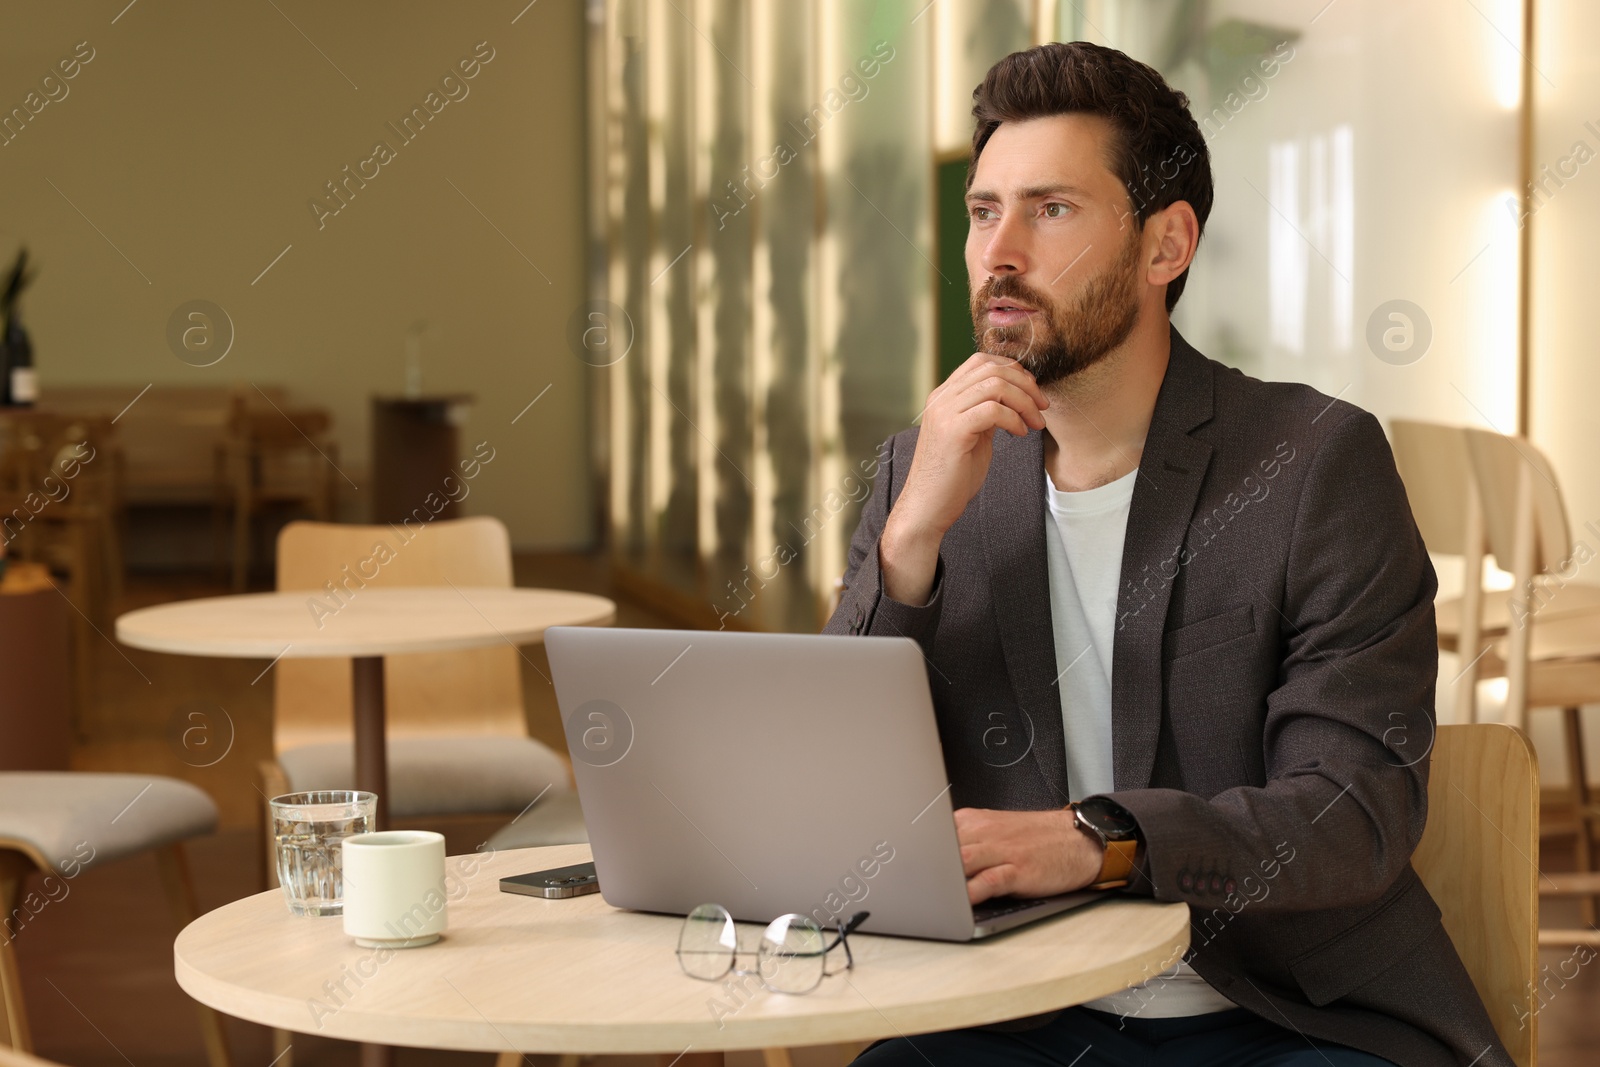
(1108, 817)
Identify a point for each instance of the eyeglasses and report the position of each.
(792, 956)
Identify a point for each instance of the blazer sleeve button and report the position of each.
(1216, 883)
(1186, 881)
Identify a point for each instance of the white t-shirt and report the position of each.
(1083, 544)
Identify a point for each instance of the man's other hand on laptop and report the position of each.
(1024, 853)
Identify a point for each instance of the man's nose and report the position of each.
(1006, 250)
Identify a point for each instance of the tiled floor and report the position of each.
(97, 964)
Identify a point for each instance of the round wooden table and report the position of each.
(367, 626)
(577, 975)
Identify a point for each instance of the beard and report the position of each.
(1063, 337)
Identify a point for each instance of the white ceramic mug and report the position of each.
(394, 888)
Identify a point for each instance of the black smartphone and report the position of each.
(555, 883)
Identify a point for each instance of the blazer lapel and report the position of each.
(1011, 511)
(1171, 471)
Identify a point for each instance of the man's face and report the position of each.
(1054, 254)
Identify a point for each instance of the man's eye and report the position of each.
(1055, 211)
(982, 214)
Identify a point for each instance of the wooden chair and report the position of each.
(1479, 858)
(65, 464)
(1552, 660)
(55, 824)
(457, 731)
(1436, 465)
(273, 456)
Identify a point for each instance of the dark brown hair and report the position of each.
(1158, 151)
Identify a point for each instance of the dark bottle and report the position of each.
(19, 384)
(22, 381)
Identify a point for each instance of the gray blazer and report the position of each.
(1272, 697)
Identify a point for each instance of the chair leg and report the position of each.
(273, 783)
(776, 1057)
(691, 1059)
(241, 547)
(180, 895)
(242, 470)
(111, 547)
(13, 869)
(1578, 775)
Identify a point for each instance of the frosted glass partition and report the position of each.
(768, 237)
(787, 344)
(878, 266)
(969, 37)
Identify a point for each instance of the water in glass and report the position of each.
(309, 829)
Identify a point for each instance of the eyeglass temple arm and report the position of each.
(845, 929)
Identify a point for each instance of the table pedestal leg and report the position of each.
(372, 758)
(372, 775)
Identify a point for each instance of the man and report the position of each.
(1191, 603)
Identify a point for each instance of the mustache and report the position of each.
(1007, 285)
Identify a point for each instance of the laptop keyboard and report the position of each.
(994, 908)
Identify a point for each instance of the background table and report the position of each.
(371, 624)
(415, 447)
(576, 975)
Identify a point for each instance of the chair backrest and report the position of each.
(1436, 467)
(1501, 464)
(68, 448)
(1437, 472)
(1526, 523)
(166, 435)
(1479, 858)
(478, 691)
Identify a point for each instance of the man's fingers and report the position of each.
(989, 416)
(1008, 393)
(990, 882)
(984, 365)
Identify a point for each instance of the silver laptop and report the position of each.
(769, 773)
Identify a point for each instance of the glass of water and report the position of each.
(309, 829)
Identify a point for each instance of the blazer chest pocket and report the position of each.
(1212, 630)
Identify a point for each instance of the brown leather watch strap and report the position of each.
(1117, 866)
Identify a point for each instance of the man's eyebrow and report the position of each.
(1034, 192)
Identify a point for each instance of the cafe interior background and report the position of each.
(670, 270)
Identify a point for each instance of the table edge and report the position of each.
(252, 649)
(734, 1032)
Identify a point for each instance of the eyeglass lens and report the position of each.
(708, 942)
(792, 954)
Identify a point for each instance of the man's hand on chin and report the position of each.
(1024, 853)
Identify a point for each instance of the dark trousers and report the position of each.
(1081, 1037)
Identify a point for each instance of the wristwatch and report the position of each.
(1111, 825)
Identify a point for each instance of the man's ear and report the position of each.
(1171, 237)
